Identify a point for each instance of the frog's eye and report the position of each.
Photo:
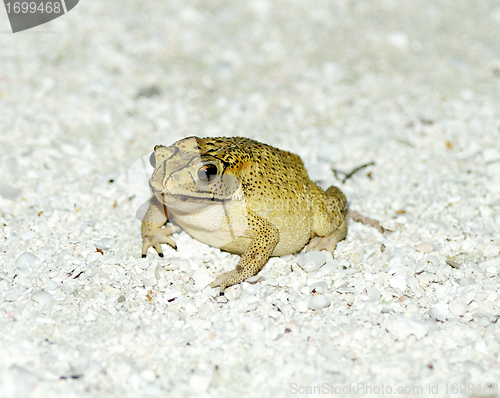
(207, 173)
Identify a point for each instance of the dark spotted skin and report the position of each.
(261, 203)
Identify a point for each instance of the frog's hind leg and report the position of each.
(337, 212)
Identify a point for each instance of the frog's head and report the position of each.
(191, 170)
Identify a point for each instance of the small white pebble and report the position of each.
(203, 310)
(7, 191)
(5, 277)
(398, 282)
(480, 345)
(143, 263)
(491, 250)
(169, 294)
(458, 308)
(401, 328)
(79, 364)
(471, 366)
(319, 287)
(254, 279)
(14, 293)
(252, 303)
(414, 237)
(436, 225)
(158, 270)
(112, 299)
(234, 293)
(148, 375)
(467, 211)
(300, 306)
(311, 261)
(492, 297)
(210, 291)
(109, 290)
(457, 274)
(420, 266)
(200, 382)
(439, 312)
(484, 321)
(42, 297)
(397, 252)
(328, 256)
(425, 247)
(105, 243)
(466, 281)
(25, 379)
(26, 260)
(151, 281)
(51, 285)
(201, 278)
(491, 266)
(319, 301)
(67, 287)
(492, 271)
(357, 256)
(27, 235)
(162, 283)
(373, 293)
(468, 245)
(252, 289)
(177, 263)
(433, 259)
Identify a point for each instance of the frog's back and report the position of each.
(275, 184)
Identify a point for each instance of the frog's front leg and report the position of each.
(265, 237)
(153, 235)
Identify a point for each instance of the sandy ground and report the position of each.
(412, 86)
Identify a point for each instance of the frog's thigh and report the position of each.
(331, 229)
(265, 237)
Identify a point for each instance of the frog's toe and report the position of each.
(226, 279)
(319, 243)
(155, 242)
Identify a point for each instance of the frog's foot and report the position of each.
(367, 221)
(154, 237)
(328, 243)
(227, 279)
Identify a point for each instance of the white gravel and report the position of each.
(413, 86)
